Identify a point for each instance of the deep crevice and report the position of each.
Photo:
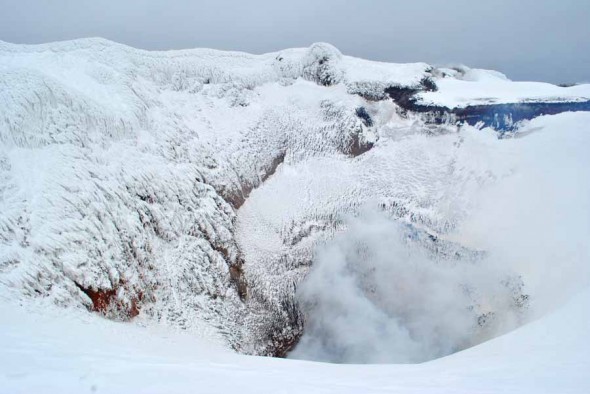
(237, 198)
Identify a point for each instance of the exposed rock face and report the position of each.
(107, 303)
(502, 117)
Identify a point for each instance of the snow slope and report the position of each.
(45, 350)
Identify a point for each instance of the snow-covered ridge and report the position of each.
(192, 187)
(463, 86)
(319, 61)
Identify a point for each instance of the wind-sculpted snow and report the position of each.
(192, 187)
(122, 169)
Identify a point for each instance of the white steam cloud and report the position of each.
(376, 295)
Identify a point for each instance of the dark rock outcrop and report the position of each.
(502, 117)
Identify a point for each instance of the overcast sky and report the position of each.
(526, 39)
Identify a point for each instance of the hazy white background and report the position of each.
(545, 40)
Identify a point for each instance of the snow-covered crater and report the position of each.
(196, 188)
